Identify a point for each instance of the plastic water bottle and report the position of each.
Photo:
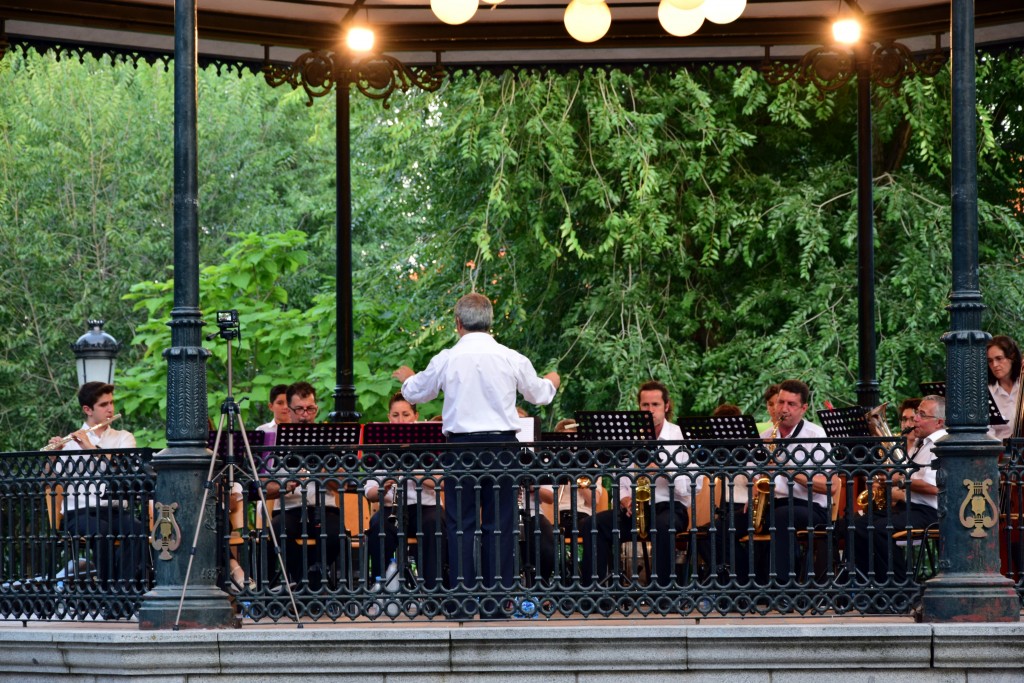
(374, 610)
(391, 580)
(526, 608)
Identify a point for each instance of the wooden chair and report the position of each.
(922, 546)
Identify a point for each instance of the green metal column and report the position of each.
(182, 466)
(968, 586)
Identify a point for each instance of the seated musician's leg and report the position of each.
(669, 518)
(374, 542)
(597, 541)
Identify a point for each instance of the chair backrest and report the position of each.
(55, 506)
(357, 513)
(703, 505)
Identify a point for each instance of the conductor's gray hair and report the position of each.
(475, 313)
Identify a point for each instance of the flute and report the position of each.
(71, 437)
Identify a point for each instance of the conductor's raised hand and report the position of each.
(554, 379)
(403, 373)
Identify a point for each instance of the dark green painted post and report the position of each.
(345, 388)
(968, 586)
(182, 466)
(867, 382)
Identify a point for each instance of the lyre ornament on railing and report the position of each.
(980, 501)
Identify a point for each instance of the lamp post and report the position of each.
(96, 354)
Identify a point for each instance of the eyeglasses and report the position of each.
(924, 416)
(997, 359)
(304, 411)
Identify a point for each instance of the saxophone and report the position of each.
(877, 426)
(763, 490)
(643, 496)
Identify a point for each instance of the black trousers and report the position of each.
(603, 534)
(797, 514)
(304, 560)
(421, 522)
(874, 550)
(495, 514)
(116, 538)
(537, 547)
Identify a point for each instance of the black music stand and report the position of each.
(700, 429)
(402, 433)
(939, 389)
(320, 434)
(840, 422)
(615, 425)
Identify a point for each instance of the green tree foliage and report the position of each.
(694, 226)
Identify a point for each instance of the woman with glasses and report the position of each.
(1004, 364)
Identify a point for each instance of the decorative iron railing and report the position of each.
(693, 550)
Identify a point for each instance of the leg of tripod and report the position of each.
(211, 480)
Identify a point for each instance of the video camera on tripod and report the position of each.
(228, 326)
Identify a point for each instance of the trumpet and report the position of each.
(643, 496)
(71, 437)
(583, 481)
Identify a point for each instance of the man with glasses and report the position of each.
(915, 502)
(306, 511)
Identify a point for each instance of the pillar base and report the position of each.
(970, 598)
(205, 607)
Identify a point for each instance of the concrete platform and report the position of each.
(893, 650)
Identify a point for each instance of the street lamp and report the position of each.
(95, 354)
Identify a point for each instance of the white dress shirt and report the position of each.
(1006, 401)
(76, 468)
(924, 456)
(669, 456)
(479, 378)
(805, 456)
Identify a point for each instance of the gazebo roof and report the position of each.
(520, 32)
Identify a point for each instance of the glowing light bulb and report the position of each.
(724, 11)
(680, 22)
(360, 38)
(454, 11)
(846, 31)
(587, 21)
(686, 4)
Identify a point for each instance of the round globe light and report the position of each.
(454, 11)
(587, 21)
(724, 11)
(680, 22)
(359, 38)
(686, 4)
(846, 31)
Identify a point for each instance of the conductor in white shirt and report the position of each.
(480, 379)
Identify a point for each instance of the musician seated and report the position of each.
(914, 503)
(666, 514)
(1004, 371)
(801, 497)
(418, 513)
(306, 512)
(115, 536)
(536, 534)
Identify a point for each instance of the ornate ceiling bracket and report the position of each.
(830, 68)
(376, 76)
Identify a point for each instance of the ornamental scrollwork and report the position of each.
(830, 68)
(319, 72)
